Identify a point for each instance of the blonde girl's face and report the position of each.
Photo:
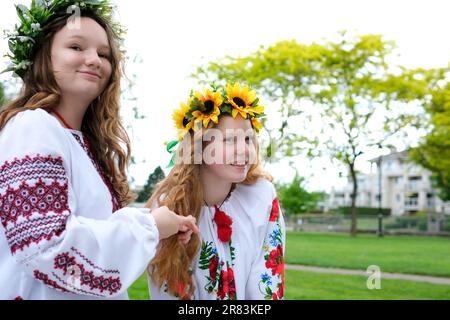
(81, 58)
(230, 149)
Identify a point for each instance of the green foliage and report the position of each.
(295, 198)
(152, 180)
(364, 211)
(446, 225)
(408, 223)
(434, 151)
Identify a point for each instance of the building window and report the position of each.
(413, 183)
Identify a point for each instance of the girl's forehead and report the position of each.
(85, 29)
(229, 123)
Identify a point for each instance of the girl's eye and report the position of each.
(76, 48)
(104, 55)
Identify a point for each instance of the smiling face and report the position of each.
(81, 59)
(233, 149)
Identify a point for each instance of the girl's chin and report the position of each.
(239, 173)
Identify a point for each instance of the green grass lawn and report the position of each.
(317, 286)
(402, 254)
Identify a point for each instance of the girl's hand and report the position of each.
(185, 236)
(188, 227)
(169, 223)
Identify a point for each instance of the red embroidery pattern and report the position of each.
(46, 280)
(30, 169)
(275, 261)
(41, 198)
(63, 261)
(220, 276)
(227, 287)
(275, 213)
(87, 148)
(32, 212)
(92, 264)
(24, 234)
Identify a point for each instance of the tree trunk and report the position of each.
(353, 229)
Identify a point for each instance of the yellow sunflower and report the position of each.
(179, 117)
(256, 124)
(211, 102)
(242, 99)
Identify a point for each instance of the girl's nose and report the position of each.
(92, 59)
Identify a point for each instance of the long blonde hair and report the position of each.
(101, 123)
(182, 192)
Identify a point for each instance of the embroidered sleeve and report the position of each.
(266, 280)
(68, 253)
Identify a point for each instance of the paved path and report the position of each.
(384, 275)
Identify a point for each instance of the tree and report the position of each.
(152, 180)
(434, 151)
(294, 198)
(347, 88)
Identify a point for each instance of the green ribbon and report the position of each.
(170, 149)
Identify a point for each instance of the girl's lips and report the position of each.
(238, 165)
(90, 74)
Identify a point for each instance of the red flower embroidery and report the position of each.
(231, 284)
(224, 223)
(222, 291)
(275, 213)
(213, 268)
(276, 261)
(227, 285)
(280, 292)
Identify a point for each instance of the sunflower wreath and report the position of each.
(205, 107)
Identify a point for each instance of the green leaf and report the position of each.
(171, 145)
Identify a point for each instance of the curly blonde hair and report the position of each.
(101, 123)
(182, 192)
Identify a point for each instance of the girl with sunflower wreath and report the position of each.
(66, 233)
(239, 252)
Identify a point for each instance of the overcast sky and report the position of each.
(173, 37)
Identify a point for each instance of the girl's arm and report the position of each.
(67, 252)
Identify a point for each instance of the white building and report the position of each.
(405, 188)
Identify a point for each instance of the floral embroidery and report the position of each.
(275, 212)
(220, 277)
(272, 282)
